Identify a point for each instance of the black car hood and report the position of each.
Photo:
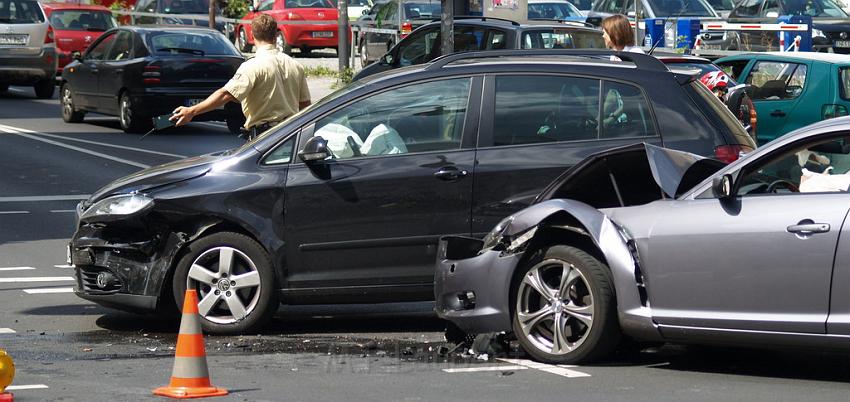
(830, 25)
(156, 176)
(631, 175)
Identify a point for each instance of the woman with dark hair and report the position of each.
(618, 34)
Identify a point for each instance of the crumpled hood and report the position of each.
(631, 175)
(156, 176)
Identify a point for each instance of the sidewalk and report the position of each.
(321, 87)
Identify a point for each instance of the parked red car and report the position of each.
(75, 27)
(303, 36)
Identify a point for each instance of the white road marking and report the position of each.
(13, 212)
(561, 370)
(22, 387)
(477, 369)
(63, 266)
(62, 210)
(37, 279)
(35, 198)
(16, 268)
(148, 151)
(48, 290)
(7, 331)
(22, 133)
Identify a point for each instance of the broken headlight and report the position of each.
(495, 236)
(117, 207)
(498, 240)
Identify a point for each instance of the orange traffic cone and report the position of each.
(190, 377)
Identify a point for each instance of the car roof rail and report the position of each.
(640, 60)
(562, 22)
(480, 18)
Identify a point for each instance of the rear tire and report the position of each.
(69, 112)
(245, 283)
(44, 89)
(281, 43)
(131, 121)
(565, 320)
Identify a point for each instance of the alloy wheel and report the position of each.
(554, 307)
(126, 113)
(228, 284)
(243, 40)
(67, 103)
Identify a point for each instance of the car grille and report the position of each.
(88, 276)
(833, 36)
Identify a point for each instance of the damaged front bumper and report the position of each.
(471, 290)
(122, 266)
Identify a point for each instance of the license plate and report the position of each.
(842, 43)
(323, 34)
(14, 39)
(192, 102)
(710, 47)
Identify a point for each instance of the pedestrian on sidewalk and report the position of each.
(271, 86)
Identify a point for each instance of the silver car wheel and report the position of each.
(125, 112)
(243, 41)
(227, 282)
(554, 307)
(67, 102)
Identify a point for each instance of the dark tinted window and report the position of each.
(562, 39)
(542, 108)
(123, 47)
(552, 11)
(82, 20)
(680, 8)
(98, 52)
(308, 4)
(185, 6)
(20, 12)
(748, 8)
(189, 43)
(625, 112)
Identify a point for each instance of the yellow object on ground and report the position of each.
(7, 370)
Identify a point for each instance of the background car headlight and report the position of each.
(118, 206)
(495, 236)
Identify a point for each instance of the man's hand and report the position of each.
(182, 115)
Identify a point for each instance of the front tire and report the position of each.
(69, 112)
(281, 43)
(234, 279)
(44, 89)
(564, 307)
(131, 121)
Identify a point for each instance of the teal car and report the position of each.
(792, 89)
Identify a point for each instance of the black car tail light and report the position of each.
(151, 75)
(729, 153)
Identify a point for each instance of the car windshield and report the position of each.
(422, 10)
(309, 4)
(552, 11)
(185, 6)
(82, 20)
(190, 44)
(814, 8)
(723, 5)
(680, 8)
(20, 12)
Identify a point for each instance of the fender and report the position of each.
(635, 317)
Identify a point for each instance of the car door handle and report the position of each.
(777, 113)
(450, 173)
(808, 228)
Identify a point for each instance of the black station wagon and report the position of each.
(345, 202)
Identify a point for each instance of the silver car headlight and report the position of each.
(495, 236)
(117, 207)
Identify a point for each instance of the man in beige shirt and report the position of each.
(271, 86)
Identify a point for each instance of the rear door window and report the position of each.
(543, 108)
(123, 47)
(773, 80)
(99, 50)
(20, 12)
(844, 80)
(625, 112)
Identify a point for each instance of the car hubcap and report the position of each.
(125, 111)
(280, 43)
(67, 105)
(243, 40)
(227, 282)
(555, 307)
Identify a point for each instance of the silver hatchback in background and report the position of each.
(27, 50)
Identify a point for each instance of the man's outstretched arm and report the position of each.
(219, 98)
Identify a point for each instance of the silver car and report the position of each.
(660, 245)
(27, 48)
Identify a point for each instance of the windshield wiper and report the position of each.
(181, 50)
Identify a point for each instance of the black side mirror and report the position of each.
(722, 187)
(76, 55)
(316, 149)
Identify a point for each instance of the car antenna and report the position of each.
(667, 18)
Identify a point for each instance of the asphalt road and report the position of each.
(69, 349)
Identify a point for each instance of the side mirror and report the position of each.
(387, 59)
(316, 149)
(364, 12)
(722, 187)
(75, 55)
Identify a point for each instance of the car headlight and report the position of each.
(495, 236)
(817, 32)
(117, 207)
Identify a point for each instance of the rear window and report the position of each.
(552, 11)
(308, 4)
(189, 43)
(844, 81)
(680, 8)
(20, 12)
(82, 20)
(422, 10)
(562, 39)
(716, 111)
(185, 6)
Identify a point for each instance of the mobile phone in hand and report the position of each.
(162, 121)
